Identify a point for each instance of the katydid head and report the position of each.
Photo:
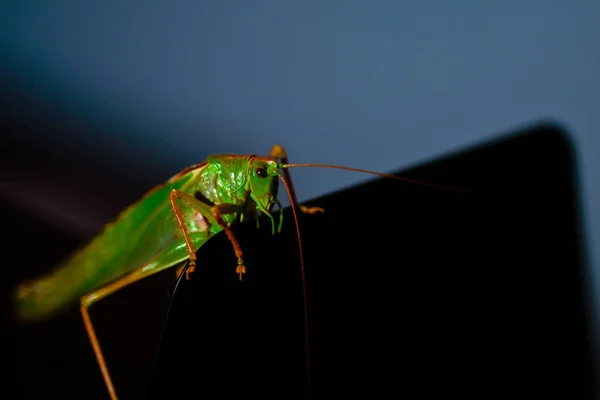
(263, 179)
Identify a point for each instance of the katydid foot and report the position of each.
(191, 268)
(240, 269)
(311, 210)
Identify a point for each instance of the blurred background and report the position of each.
(100, 101)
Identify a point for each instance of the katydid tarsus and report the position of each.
(165, 228)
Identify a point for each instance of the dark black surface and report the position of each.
(413, 292)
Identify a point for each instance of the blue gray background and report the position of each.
(152, 86)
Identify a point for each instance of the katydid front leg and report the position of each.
(214, 216)
(279, 153)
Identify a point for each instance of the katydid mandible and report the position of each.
(165, 228)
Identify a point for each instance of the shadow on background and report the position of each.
(411, 289)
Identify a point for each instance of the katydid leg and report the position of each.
(279, 154)
(86, 302)
(214, 215)
(269, 215)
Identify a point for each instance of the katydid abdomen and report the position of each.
(145, 235)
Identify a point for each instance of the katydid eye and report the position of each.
(261, 172)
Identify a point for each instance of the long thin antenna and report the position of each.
(293, 205)
(366, 171)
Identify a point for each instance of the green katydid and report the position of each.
(165, 228)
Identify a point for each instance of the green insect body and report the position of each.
(147, 235)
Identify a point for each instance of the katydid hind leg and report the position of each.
(279, 153)
(214, 215)
(86, 303)
(172, 255)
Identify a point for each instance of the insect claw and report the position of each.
(241, 270)
(188, 271)
(311, 210)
